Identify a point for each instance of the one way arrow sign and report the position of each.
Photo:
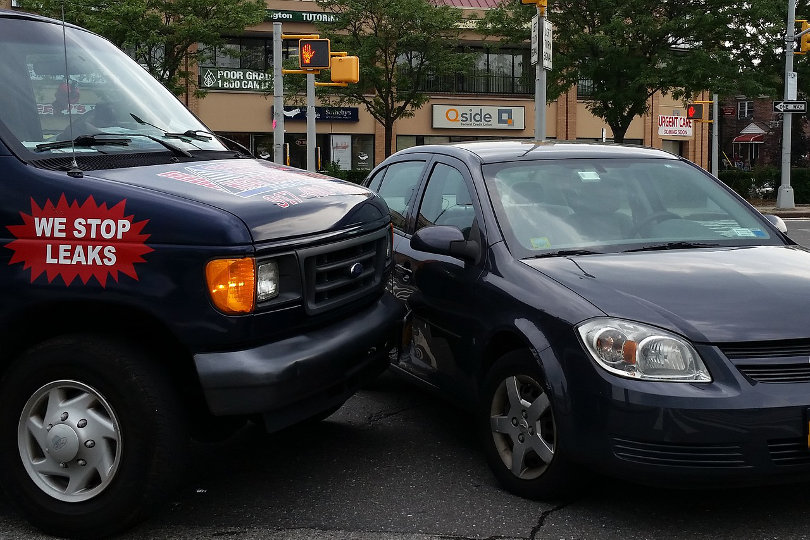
(790, 106)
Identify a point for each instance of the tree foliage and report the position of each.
(400, 44)
(631, 49)
(159, 34)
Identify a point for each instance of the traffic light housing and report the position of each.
(804, 41)
(694, 111)
(314, 53)
(345, 69)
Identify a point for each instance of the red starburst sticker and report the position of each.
(78, 240)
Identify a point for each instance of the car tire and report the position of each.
(518, 430)
(91, 436)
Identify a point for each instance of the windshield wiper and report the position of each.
(194, 134)
(84, 141)
(176, 150)
(567, 253)
(672, 245)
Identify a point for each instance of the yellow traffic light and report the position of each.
(345, 69)
(313, 53)
(804, 44)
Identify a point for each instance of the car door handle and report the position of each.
(405, 273)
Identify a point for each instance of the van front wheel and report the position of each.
(90, 435)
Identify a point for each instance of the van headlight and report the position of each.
(237, 285)
(638, 351)
(267, 281)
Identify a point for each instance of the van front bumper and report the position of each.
(301, 376)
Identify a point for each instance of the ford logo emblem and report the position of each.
(355, 270)
(58, 442)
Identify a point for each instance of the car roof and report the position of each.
(516, 150)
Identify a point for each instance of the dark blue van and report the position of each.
(158, 284)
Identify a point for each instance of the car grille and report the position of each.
(339, 273)
(771, 361)
(680, 455)
(787, 452)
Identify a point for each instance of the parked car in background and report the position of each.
(605, 307)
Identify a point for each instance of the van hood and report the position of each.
(275, 202)
(709, 295)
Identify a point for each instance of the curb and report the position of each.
(798, 212)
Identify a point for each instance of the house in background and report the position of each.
(751, 133)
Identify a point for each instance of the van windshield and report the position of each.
(88, 92)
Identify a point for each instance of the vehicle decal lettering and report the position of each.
(73, 240)
(279, 185)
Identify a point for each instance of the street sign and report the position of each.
(548, 30)
(535, 41)
(790, 106)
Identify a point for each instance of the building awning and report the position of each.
(751, 138)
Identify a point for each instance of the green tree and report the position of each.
(159, 34)
(629, 50)
(400, 44)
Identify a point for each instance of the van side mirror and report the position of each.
(446, 240)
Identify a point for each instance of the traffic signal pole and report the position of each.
(784, 197)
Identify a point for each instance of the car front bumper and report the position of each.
(732, 430)
(298, 377)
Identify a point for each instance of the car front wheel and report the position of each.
(519, 430)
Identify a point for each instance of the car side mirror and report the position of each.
(777, 222)
(445, 240)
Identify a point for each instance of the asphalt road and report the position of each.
(799, 230)
(397, 463)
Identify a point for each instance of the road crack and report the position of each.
(542, 519)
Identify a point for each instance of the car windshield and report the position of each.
(88, 92)
(581, 206)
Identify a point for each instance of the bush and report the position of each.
(740, 181)
(354, 176)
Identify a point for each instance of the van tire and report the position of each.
(91, 435)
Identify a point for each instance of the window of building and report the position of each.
(584, 88)
(493, 72)
(252, 53)
(745, 109)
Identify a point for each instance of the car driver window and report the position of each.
(397, 188)
(447, 201)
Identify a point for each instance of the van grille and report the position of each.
(340, 273)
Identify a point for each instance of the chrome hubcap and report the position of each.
(69, 441)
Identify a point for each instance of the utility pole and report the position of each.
(715, 137)
(278, 97)
(784, 197)
(541, 39)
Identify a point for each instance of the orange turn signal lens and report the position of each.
(232, 284)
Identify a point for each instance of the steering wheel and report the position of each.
(655, 217)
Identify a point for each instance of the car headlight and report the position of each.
(638, 351)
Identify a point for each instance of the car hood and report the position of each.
(708, 295)
(274, 201)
